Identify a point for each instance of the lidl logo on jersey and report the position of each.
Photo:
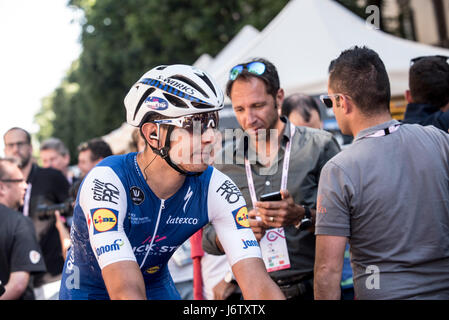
(153, 269)
(241, 217)
(104, 219)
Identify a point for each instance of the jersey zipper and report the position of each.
(155, 231)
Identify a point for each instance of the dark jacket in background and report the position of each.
(48, 186)
(425, 115)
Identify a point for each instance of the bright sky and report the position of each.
(38, 43)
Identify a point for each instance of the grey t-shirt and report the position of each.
(390, 196)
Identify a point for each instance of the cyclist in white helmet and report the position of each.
(134, 210)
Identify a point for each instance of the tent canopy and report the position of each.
(307, 35)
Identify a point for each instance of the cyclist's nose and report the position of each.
(208, 136)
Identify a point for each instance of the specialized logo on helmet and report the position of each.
(104, 219)
(156, 103)
(177, 85)
(241, 217)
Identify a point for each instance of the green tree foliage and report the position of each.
(123, 39)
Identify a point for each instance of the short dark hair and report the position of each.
(429, 81)
(301, 103)
(360, 73)
(27, 134)
(270, 77)
(98, 148)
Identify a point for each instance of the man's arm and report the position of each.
(124, 281)
(329, 256)
(254, 280)
(16, 286)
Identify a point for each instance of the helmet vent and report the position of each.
(190, 82)
(142, 99)
(201, 105)
(175, 101)
(208, 82)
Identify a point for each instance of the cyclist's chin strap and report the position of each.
(164, 154)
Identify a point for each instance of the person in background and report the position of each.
(92, 152)
(428, 96)
(302, 110)
(45, 186)
(54, 154)
(387, 193)
(20, 254)
(256, 96)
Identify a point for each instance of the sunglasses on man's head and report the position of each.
(255, 67)
(414, 60)
(205, 120)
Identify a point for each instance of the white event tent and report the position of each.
(306, 35)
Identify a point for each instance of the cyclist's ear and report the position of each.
(150, 133)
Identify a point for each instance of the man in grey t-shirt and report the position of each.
(388, 193)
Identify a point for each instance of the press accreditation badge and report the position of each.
(274, 250)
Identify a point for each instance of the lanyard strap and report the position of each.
(383, 132)
(285, 165)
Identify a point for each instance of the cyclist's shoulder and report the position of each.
(121, 165)
(118, 161)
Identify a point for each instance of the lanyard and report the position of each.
(383, 132)
(285, 165)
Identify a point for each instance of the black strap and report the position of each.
(164, 154)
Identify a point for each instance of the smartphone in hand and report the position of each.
(273, 196)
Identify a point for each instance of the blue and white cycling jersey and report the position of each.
(117, 217)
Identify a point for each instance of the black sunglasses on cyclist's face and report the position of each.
(205, 120)
(255, 67)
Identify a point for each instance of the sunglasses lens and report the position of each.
(256, 67)
(326, 100)
(235, 72)
(206, 121)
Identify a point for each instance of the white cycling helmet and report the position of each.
(172, 91)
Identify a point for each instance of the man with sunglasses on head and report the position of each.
(133, 211)
(20, 254)
(428, 96)
(387, 193)
(256, 97)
